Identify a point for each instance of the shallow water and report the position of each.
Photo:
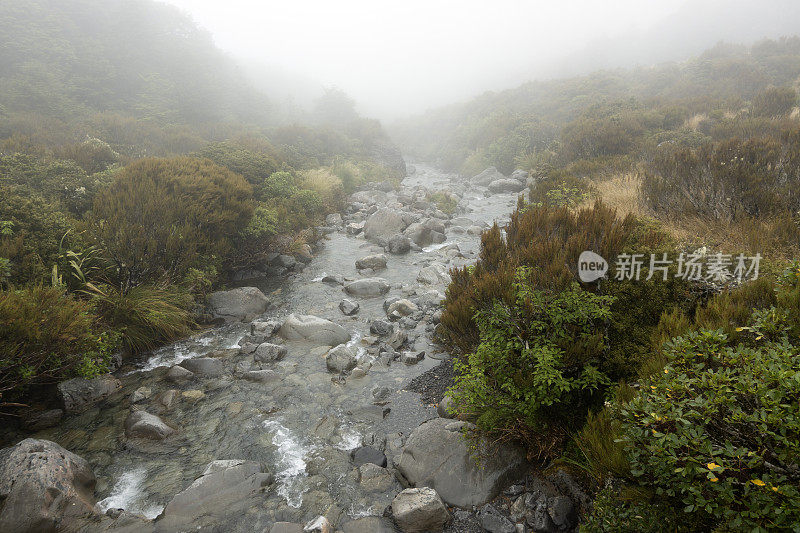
(302, 426)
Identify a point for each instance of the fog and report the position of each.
(398, 58)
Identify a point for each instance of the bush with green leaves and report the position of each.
(716, 435)
(47, 336)
(538, 367)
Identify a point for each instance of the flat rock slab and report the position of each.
(79, 394)
(313, 329)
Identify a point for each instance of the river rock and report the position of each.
(434, 274)
(367, 287)
(369, 524)
(486, 177)
(349, 307)
(38, 420)
(261, 376)
(241, 304)
(506, 185)
(141, 394)
(446, 407)
(368, 454)
(420, 510)
(375, 262)
(398, 245)
(313, 329)
(382, 224)
(402, 307)
(334, 219)
(381, 328)
(371, 197)
(412, 358)
(519, 175)
(286, 527)
(493, 522)
(79, 394)
(268, 352)
(264, 328)
(340, 359)
(437, 455)
(225, 488)
(143, 425)
(374, 478)
(43, 488)
(208, 367)
(178, 374)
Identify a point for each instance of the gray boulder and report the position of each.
(208, 367)
(241, 304)
(437, 455)
(368, 454)
(79, 394)
(268, 352)
(178, 374)
(367, 287)
(520, 175)
(340, 359)
(375, 262)
(434, 274)
(143, 425)
(398, 245)
(420, 510)
(506, 185)
(371, 197)
(383, 224)
(402, 307)
(369, 524)
(486, 177)
(313, 329)
(349, 307)
(43, 488)
(286, 527)
(492, 521)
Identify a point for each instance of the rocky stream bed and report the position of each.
(313, 408)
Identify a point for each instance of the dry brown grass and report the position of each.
(621, 192)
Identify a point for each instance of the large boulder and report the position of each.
(241, 304)
(520, 175)
(430, 231)
(209, 367)
(143, 425)
(506, 185)
(225, 488)
(383, 224)
(398, 245)
(434, 274)
(269, 353)
(313, 329)
(369, 524)
(486, 177)
(79, 394)
(371, 197)
(375, 262)
(367, 287)
(43, 488)
(340, 359)
(437, 455)
(419, 510)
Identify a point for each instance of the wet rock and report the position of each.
(264, 328)
(193, 395)
(143, 425)
(446, 408)
(358, 372)
(398, 338)
(380, 395)
(38, 420)
(354, 228)
(241, 304)
(313, 329)
(403, 307)
(383, 224)
(334, 219)
(209, 367)
(374, 262)
(434, 274)
(178, 374)
(286, 261)
(318, 525)
(492, 521)
(43, 488)
(420, 510)
(506, 186)
(431, 298)
(223, 488)
(367, 287)
(519, 175)
(261, 376)
(368, 454)
(79, 394)
(375, 478)
(340, 359)
(286, 527)
(141, 394)
(166, 399)
(380, 328)
(369, 524)
(368, 197)
(562, 512)
(486, 177)
(349, 307)
(412, 358)
(269, 353)
(398, 245)
(333, 279)
(437, 455)
(539, 519)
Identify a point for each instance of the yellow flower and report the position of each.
(666, 370)
(714, 479)
(775, 489)
(712, 466)
(757, 482)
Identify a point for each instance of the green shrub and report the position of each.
(264, 223)
(277, 185)
(164, 216)
(537, 369)
(254, 166)
(47, 336)
(716, 435)
(774, 101)
(445, 203)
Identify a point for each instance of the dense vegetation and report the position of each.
(139, 170)
(674, 399)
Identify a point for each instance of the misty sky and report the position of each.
(397, 58)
